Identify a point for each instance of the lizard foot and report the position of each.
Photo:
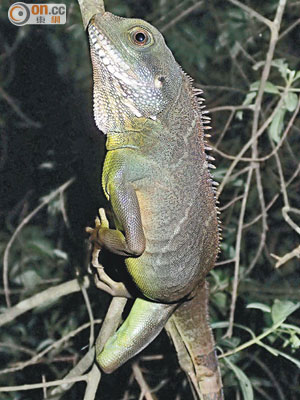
(102, 280)
(100, 222)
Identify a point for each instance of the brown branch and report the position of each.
(287, 257)
(52, 346)
(230, 203)
(43, 297)
(93, 379)
(289, 29)
(90, 314)
(285, 211)
(111, 321)
(145, 390)
(89, 8)
(43, 385)
(79, 369)
(237, 254)
(225, 129)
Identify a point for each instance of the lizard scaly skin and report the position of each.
(157, 180)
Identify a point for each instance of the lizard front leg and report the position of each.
(130, 242)
(126, 210)
(102, 280)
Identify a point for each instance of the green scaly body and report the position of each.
(157, 180)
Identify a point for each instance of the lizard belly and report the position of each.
(178, 241)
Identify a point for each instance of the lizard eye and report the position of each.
(140, 37)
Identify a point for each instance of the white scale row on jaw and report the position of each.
(108, 49)
(94, 33)
(109, 53)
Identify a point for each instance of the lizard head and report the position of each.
(135, 74)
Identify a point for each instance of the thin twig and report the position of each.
(237, 254)
(252, 12)
(93, 379)
(287, 257)
(274, 27)
(18, 111)
(257, 218)
(90, 314)
(182, 15)
(260, 131)
(25, 221)
(289, 29)
(79, 369)
(52, 346)
(42, 385)
(145, 390)
(40, 298)
(256, 132)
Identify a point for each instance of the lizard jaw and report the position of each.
(119, 93)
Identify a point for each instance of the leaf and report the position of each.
(282, 309)
(29, 279)
(258, 65)
(47, 165)
(220, 300)
(248, 99)
(254, 86)
(297, 76)
(288, 357)
(239, 115)
(280, 353)
(282, 67)
(259, 306)
(244, 381)
(234, 51)
(269, 87)
(41, 246)
(291, 101)
(219, 325)
(276, 127)
(61, 254)
(219, 173)
(295, 342)
(45, 343)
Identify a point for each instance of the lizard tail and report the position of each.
(144, 322)
(192, 337)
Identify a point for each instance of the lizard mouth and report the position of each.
(110, 58)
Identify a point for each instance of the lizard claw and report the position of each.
(102, 280)
(100, 222)
(103, 219)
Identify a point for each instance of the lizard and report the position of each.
(156, 178)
